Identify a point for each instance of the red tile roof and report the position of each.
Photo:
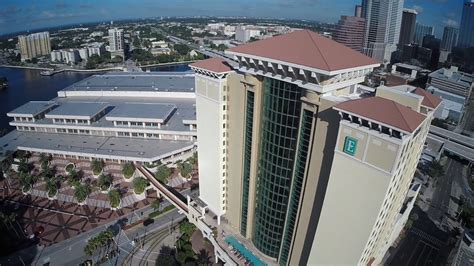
(304, 47)
(429, 100)
(384, 111)
(214, 64)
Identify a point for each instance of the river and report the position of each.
(26, 85)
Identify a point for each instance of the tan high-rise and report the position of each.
(290, 162)
(34, 45)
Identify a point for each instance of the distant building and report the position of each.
(450, 37)
(350, 32)
(451, 80)
(244, 33)
(229, 30)
(84, 54)
(358, 11)
(72, 56)
(434, 44)
(116, 42)
(97, 48)
(466, 30)
(215, 26)
(407, 30)
(414, 51)
(421, 31)
(464, 254)
(34, 45)
(159, 51)
(382, 27)
(56, 56)
(452, 105)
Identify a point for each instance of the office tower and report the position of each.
(382, 27)
(466, 29)
(450, 37)
(350, 32)
(421, 31)
(434, 44)
(358, 11)
(271, 128)
(116, 42)
(34, 45)
(407, 30)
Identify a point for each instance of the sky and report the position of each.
(28, 15)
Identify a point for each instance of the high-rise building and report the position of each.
(421, 31)
(358, 11)
(277, 135)
(350, 32)
(116, 42)
(383, 19)
(407, 30)
(434, 44)
(450, 38)
(466, 29)
(34, 45)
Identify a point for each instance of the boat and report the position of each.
(3, 83)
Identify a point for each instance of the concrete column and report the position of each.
(218, 220)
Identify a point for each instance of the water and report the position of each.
(26, 85)
(244, 251)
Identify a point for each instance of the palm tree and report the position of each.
(82, 192)
(52, 186)
(114, 198)
(128, 169)
(139, 185)
(105, 181)
(97, 166)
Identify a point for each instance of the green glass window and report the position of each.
(279, 133)
(300, 166)
(247, 160)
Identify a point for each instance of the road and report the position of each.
(442, 194)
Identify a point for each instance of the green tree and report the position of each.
(186, 228)
(182, 49)
(23, 166)
(52, 186)
(185, 169)
(156, 204)
(139, 185)
(435, 169)
(105, 181)
(221, 47)
(114, 198)
(128, 169)
(163, 173)
(82, 192)
(97, 166)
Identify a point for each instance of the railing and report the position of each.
(174, 199)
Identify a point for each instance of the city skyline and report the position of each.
(30, 16)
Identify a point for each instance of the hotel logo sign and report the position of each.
(350, 146)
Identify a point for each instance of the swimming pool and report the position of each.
(244, 251)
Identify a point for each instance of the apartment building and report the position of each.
(116, 41)
(137, 117)
(279, 130)
(34, 45)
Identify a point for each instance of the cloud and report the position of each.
(418, 8)
(450, 22)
